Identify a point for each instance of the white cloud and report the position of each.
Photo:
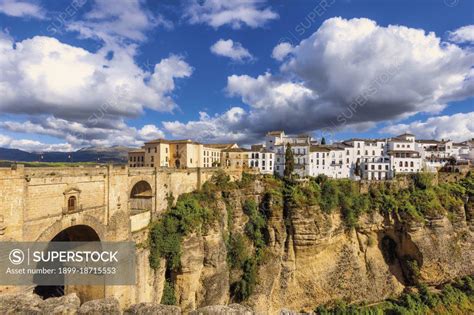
(119, 21)
(457, 127)
(37, 78)
(150, 132)
(32, 145)
(235, 13)
(89, 107)
(79, 135)
(463, 34)
(19, 8)
(351, 74)
(281, 51)
(233, 50)
(213, 129)
(4, 140)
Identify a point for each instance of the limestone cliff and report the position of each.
(311, 257)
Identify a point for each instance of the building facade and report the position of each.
(368, 159)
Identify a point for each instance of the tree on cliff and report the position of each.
(289, 162)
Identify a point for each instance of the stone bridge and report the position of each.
(102, 203)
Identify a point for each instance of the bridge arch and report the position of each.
(83, 219)
(74, 233)
(141, 197)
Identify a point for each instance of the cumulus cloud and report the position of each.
(463, 34)
(79, 135)
(235, 13)
(89, 107)
(37, 78)
(233, 50)
(219, 128)
(19, 8)
(352, 74)
(457, 127)
(281, 51)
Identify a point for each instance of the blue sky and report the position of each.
(100, 73)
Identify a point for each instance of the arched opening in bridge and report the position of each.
(141, 198)
(76, 233)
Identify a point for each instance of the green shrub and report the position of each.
(256, 226)
(422, 180)
(242, 289)
(237, 251)
(329, 196)
(168, 297)
(454, 298)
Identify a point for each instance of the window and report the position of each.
(191, 161)
(130, 159)
(411, 164)
(149, 150)
(152, 165)
(156, 149)
(373, 152)
(152, 158)
(71, 203)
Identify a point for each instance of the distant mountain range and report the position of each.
(115, 154)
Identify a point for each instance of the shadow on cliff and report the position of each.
(401, 254)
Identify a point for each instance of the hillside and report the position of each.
(115, 154)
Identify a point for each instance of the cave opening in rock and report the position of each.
(403, 258)
(77, 233)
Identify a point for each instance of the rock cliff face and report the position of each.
(312, 258)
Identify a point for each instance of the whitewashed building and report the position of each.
(262, 159)
(277, 142)
(329, 160)
(404, 158)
